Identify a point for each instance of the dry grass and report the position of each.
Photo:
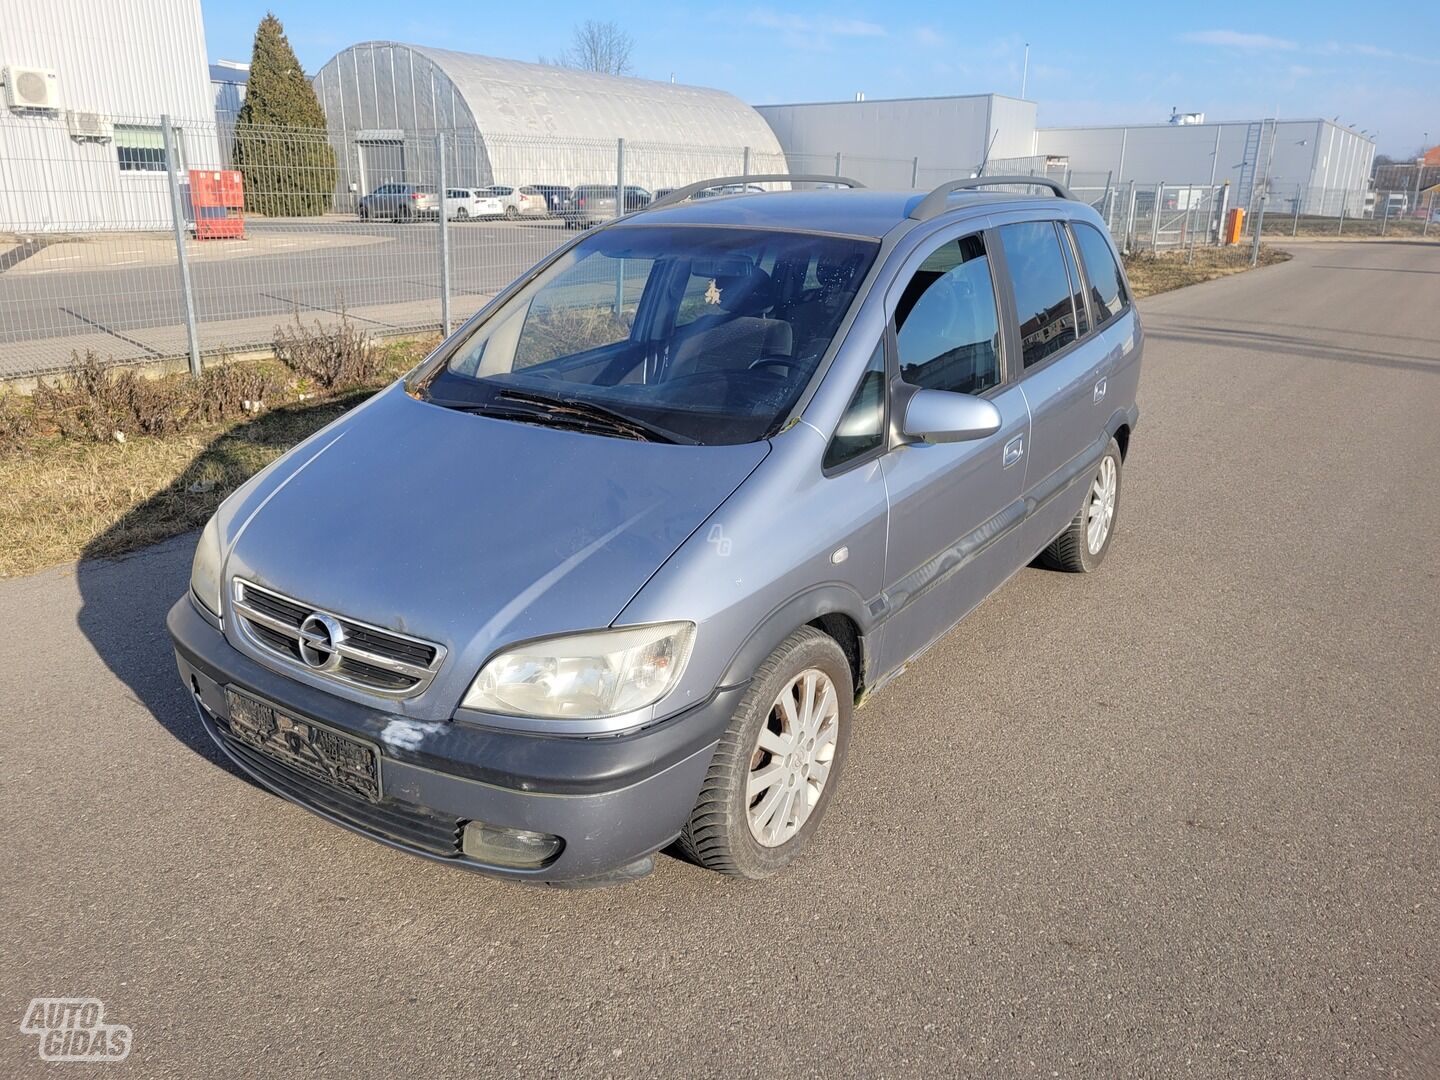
(65, 498)
(1151, 274)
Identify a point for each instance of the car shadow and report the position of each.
(126, 597)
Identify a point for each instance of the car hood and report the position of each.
(469, 531)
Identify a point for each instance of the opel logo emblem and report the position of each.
(320, 639)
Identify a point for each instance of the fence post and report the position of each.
(837, 162)
(1341, 231)
(441, 190)
(1429, 213)
(1130, 220)
(177, 218)
(1385, 218)
(915, 171)
(1299, 198)
(1155, 217)
(1259, 223)
(619, 212)
(745, 163)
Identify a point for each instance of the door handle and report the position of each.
(1013, 452)
(1099, 391)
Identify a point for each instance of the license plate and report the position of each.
(306, 747)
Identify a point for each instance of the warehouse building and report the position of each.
(1315, 166)
(514, 123)
(85, 85)
(908, 142)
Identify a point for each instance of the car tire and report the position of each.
(753, 832)
(364, 212)
(406, 213)
(1082, 546)
(462, 214)
(511, 213)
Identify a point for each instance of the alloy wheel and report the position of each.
(1100, 507)
(792, 758)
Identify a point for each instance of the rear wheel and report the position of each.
(364, 212)
(511, 213)
(778, 763)
(1082, 546)
(462, 214)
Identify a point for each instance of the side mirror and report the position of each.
(941, 416)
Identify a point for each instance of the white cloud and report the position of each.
(1238, 39)
(823, 26)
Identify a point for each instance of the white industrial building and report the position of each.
(515, 123)
(922, 141)
(1323, 164)
(904, 142)
(85, 85)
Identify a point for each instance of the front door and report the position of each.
(954, 507)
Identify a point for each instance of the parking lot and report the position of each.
(1175, 818)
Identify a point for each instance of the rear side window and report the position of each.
(862, 428)
(1107, 284)
(1042, 289)
(946, 326)
(1077, 287)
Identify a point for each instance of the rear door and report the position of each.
(1063, 375)
(953, 506)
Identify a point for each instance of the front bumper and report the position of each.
(613, 800)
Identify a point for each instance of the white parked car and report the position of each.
(461, 204)
(517, 202)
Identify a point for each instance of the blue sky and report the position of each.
(1089, 63)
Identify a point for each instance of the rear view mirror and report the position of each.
(940, 416)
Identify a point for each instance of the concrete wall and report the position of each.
(878, 141)
(131, 61)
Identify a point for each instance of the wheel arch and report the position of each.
(834, 610)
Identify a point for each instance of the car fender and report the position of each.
(830, 598)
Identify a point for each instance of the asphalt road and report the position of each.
(1176, 818)
(319, 274)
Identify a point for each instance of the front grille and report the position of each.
(404, 823)
(359, 654)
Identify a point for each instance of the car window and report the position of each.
(729, 375)
(1107, 283)
(862, 427)
(1042, 289)
(1077, 287)
(946, 324)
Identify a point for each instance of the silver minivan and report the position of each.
(612, 569)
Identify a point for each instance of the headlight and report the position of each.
(584, 676)
(205, 580)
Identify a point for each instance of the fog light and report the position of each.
(520, 848)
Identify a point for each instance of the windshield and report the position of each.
(682, 334)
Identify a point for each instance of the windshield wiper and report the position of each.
(591, 413)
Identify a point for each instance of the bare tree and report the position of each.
(597, 46)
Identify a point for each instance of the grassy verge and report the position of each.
(1151, 274)
(106, 467)
(66, 496)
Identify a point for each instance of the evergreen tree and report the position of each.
(281, 145)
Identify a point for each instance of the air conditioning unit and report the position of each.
(89, 126)
(31, 88)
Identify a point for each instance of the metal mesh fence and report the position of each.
(111, 237)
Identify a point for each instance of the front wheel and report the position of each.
(778, 763)
(462, 214)
(511, 213)
(1082, 546)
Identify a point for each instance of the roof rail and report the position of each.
(679, 195)
(938, 200)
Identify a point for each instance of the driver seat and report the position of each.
(737, 335)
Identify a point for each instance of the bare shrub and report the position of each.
(563, 331)
(229, 391)
(96, 402)
(335, 357)
(17, 420)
